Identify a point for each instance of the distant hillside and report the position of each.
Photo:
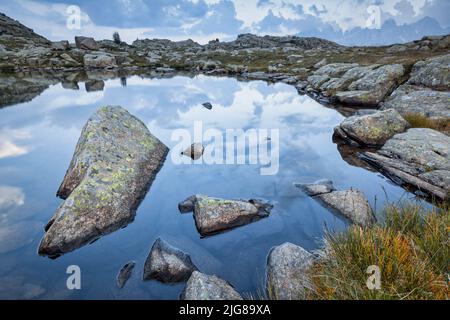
(13, 31)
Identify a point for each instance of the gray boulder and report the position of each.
(287, 272)
(115, 162)
(432, 73)
(419, 158)
(86, 43)
(125, 274)
(94, 85)
(99, 60)
(213, 215)
(419, 100)
(205, 287)
(61, 45)
(167, 264)
(352, 204)
(316, 188)
(372, 129)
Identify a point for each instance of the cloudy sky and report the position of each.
(202, 20)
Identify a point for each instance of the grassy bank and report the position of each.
(420, 121)
(410, 247)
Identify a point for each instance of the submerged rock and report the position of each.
(372, 129)
(115, 162)
(352, 204)
(207, 105)
(287, 272)
(205, 287)
(316, 188)
(86, 43)
(195, 151)
(167, 264)
(213, 215)
(125, 274)
(420, 157)
(187, 205)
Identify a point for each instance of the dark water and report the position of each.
(37, 140)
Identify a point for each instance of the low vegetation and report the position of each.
(417, 120)
(410, 247)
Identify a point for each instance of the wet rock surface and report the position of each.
(373, 129)
(420, 157)
(208, 287)
(287, 272)
(195, 151)
(168, 264)
(316, 188)
(214, 215)
(102, 190)
(125, 273)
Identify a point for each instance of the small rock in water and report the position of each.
(195, 151)
(125, 274)
(351, 204)
(167, 264)
(207, 105)
(287, 277)
(316, 188)
(187, 205)
(205, 287)
(213, 215)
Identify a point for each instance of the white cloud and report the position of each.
(11, 197)
(8, 143)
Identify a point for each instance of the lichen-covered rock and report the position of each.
(205, 287)
(419, 100)
(213, 215)
(115, 162)
(167, 264)
(86, 43)
(287, 272)
(432, 73)
(125, 274)
(195, 151)
(350, 203)
(373, 87)
(334, 70)
(372, 129)
(99, 60)
(316, 188)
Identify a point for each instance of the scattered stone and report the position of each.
(125, 274)
(195, 151)
(86, 43)
(99, 60)
(205, 287)
(372, 129)
(114, 164)
(168, 264)
(61, 45)
(316, 188)
(213, 215)
(351, 204)
(207, 105)
(287, 272)
(321, 63)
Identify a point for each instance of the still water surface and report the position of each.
(37, 140)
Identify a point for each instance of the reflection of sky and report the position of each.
(38, 139)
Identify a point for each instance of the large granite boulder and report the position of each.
(372, 129)
(167, 264)
(352, 204)
(433, 73)
(287, 272)
(86, 43)
(373, 87)
(115, 162)
(408, 99)
(205, 287)
(99, 60)
(420, 157)
(213, 215)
